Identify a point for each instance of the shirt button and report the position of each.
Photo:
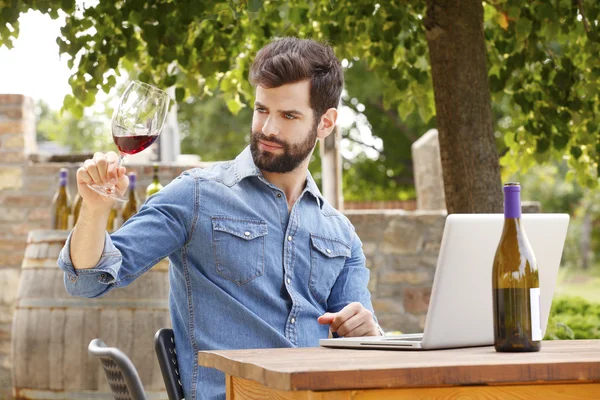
(246, 233)
(293, 320)
(278, 195)
(289, 238)
(328, 251)
(102, 276)
(289, 281)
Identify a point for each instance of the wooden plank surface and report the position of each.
(243, 389)
(336, 369)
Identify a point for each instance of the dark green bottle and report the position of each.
(515, 283)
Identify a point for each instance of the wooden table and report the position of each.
(562, 370)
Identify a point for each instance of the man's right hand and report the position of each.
(103, 169)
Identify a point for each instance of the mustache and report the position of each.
(262, 136)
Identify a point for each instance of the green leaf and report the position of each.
(560, 141)
(170, 80)
(542, 145)
(254, 5)
(179, 94)
(405, 109)
(562, 80)
(576, 152)
(546, 11)
(523, 27)
(68, 101)
(135, 18)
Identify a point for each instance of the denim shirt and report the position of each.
(244, 272)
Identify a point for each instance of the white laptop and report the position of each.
(460, 310)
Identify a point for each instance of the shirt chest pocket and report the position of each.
(327, 258)
(239, 246)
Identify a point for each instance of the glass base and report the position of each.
(108, 191)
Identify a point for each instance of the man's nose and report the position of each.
(270, 127)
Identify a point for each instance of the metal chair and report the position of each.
(164, 344)
(122, 376)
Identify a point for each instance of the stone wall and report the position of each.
(401, 248)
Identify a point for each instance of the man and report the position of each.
(258, 258)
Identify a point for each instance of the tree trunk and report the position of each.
(470, 164)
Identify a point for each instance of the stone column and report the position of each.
(427, 165)
(17, 140)
(331, 169)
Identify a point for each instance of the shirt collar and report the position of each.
(245, 167)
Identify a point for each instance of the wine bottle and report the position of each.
(111, 225)
(155, 185)
(76, 207)
(515, 283)
(131, 206)
(61, 203)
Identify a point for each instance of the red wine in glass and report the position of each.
(132, 142)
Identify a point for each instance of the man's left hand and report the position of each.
(354, 320)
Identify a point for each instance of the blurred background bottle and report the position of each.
(113, 219)
(131, 206)
(155, 185)
(61, 203)
(515, 283)
(76, 209)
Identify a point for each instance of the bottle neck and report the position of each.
(512, 204)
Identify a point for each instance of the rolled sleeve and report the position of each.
(91, 282)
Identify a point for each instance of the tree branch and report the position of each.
(585, 22)
(381, 152)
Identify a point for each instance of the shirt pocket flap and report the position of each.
(242, 228)
(329, 247)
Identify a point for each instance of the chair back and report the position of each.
(164, 344)
(122, 376)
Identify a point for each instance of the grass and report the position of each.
(579, 283)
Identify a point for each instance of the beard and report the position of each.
(293, 154)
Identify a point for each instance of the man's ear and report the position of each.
(327, 123)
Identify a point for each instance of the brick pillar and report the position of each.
(427, 166)
(17, 140)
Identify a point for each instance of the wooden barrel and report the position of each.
(52, 330)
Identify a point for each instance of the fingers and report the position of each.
(101, 166)
(113, 163)
(345, 314)
(83, 176)
(359, 325)
(92, 171)
(326, 318)
(123, 181)
(101, 169)
(354, 320)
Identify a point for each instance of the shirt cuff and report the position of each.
(107, 266)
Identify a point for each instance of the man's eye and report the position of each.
(289, 116)
(260, 109)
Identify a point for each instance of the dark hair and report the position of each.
(291, 60)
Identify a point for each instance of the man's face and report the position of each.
(284, 132)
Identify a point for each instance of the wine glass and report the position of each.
(136, 124)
